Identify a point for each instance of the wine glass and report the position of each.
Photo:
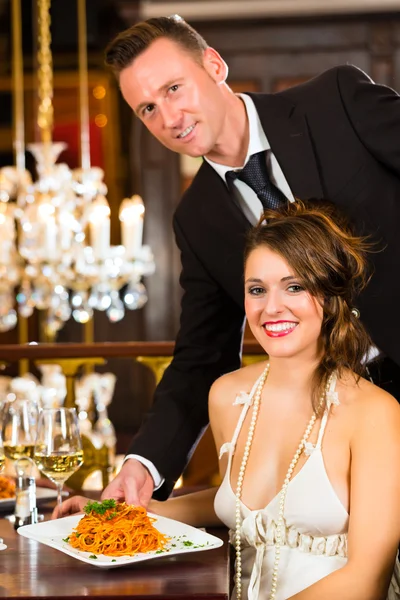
(19, 422)
(58, 450)
(19, 417)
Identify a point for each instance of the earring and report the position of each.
(355, 312)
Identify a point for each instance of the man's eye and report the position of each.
(148, 109)
(174, 87)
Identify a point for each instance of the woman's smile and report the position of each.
(279, 328)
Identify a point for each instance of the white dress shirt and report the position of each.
(258, 142)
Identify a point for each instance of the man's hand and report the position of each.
(133, 484)
(71, 506)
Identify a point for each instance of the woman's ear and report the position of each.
(215, 65)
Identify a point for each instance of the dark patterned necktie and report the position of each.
(255, 175)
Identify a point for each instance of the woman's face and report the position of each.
(284, 318)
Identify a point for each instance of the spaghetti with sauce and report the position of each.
(7, 487)
(116, 529)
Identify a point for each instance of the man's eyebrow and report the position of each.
(164, 87)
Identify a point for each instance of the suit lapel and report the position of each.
(226, 227)
(218, 201)
(287, 132)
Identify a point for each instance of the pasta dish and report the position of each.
(7, 487)
(116, 529)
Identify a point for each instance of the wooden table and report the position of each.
(34, 571)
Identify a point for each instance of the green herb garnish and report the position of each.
(66, 539)
(92, 556)
(187, 543)
(114, 560)
(99, 507)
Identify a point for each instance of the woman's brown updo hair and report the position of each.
(330, 262)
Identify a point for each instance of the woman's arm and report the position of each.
(374, 527)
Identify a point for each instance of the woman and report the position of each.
(308, 448)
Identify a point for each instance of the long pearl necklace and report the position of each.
(282, 494)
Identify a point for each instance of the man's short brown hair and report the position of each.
(129, 44)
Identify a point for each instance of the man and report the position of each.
(335, 137)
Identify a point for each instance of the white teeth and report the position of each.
(279, 326)
(186, 132)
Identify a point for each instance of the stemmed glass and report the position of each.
(19, 422)
(58, 450)
(19, 417)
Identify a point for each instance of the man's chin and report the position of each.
(192, 150)
(194, 153)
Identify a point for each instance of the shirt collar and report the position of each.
(258, 141)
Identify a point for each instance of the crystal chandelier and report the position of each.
(55, 247)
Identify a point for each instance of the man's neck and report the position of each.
(231, 148)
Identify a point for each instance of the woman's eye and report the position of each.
(256, 291)
(295, 288)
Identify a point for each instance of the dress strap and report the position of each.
(331, 398)
(244, 413)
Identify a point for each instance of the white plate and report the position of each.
(184, 538)
(42, 495)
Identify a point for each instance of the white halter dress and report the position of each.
(316, 524)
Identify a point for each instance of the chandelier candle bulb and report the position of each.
(99, 224)
(46, 214)
(50, 238)
(66, 231)
(7, 235)
(131, 215)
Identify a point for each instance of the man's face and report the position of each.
(180, 101)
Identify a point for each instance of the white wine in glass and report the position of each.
(58, 450)
(19, 422)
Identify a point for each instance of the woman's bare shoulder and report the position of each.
(225, 389)
(366, 400)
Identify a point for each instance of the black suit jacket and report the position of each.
(335, 137)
